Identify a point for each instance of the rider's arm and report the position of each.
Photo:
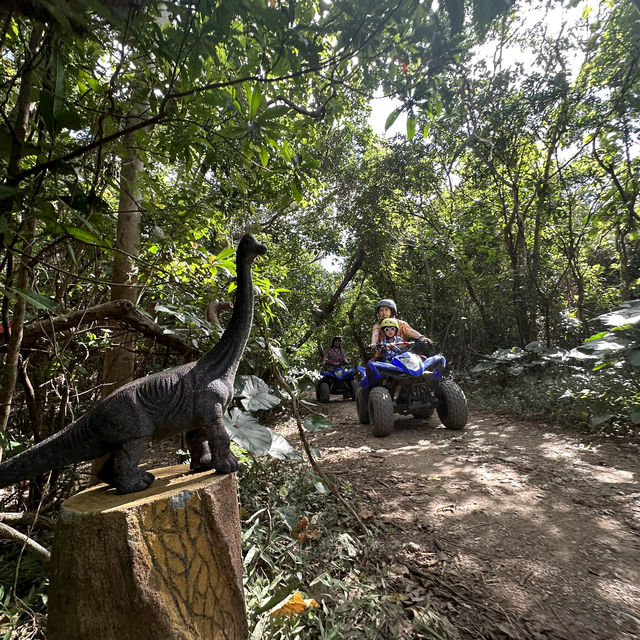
(375, 334)
(406, 331)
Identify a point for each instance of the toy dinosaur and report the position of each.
(192, 397)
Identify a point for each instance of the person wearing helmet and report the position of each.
(391, 344)
(335, 355)
(386, 308)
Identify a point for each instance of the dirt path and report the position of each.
(516, 529)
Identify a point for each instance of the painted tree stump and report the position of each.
(161, 564)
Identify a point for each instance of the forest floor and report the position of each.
(510, 529)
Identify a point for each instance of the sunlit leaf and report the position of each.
(81, 234)
(612, 343)
(294, 605)
(280, 448)
(245, 430)
(628, 314)
(264, 156)
(254, 393)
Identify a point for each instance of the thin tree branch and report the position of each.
(12, 534)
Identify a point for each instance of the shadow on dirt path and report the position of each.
(521, 530)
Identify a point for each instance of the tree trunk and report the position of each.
(158, 564)
(119, 361)
(9, 373)
(623, 260)
(351, 271)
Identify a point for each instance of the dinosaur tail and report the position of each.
(74, 443)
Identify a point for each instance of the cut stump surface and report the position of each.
(164, 563)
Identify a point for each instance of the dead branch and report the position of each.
(12, 534)
(213, 310)
(30, 517)
(354, 266)
(122, 311)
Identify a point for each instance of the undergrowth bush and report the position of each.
(22, 617)
(593, 403)
(295, 539)
(595, 386)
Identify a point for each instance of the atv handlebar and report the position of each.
(419, 341)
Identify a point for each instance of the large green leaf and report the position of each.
(317, 422)
(246, 431)
(35, 299)
(82, 234)
(280, 448)
(254, 393)
(628, 313)
(392, 117)
(411, 127)
(483, 366)
(609, 343)
(633, 357)
(508, 355)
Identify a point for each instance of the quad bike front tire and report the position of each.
(362, 405)
(353, 388)
(324, 393)
(380, 412)
(453, 412)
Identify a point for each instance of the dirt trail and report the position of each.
(518, 530)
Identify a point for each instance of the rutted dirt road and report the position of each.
(515, 529)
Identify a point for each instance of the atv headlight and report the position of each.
(413, 363)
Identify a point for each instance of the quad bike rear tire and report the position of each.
(380, 412)
(353, 387)
(324, 393)
(453, 412)
(362, 405)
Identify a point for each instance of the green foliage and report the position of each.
(245, 429)
(22, 616)
(596, 384)
(296, 539)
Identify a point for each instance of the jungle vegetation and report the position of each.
(140, 139)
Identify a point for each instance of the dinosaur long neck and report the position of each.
(224, 358)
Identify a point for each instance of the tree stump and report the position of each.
(161, 564)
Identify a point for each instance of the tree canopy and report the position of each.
(141, 139)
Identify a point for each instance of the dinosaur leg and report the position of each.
(222, 460)
(199, 450)
(121, 468)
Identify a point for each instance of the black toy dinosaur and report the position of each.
(192, 398)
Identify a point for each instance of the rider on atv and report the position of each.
(391, 344)
(335, 355)
(387, 309)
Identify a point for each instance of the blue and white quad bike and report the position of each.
(410, 384)
(338, 381)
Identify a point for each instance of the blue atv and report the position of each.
(336, 381)
(409, 384)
